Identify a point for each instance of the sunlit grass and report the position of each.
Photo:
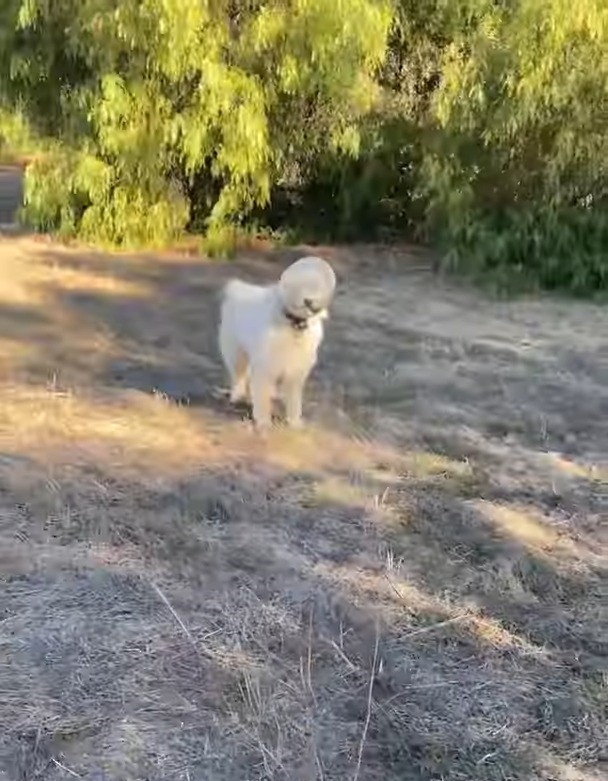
(526, 526)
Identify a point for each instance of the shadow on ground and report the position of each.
(219, 626)
(413, 589)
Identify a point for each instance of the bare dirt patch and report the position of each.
(413, 588)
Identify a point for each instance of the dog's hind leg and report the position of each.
(235, 360)
(239, 390)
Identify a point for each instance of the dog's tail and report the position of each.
(237, 290)
(232, 293)
(232, 288)
(228, 291)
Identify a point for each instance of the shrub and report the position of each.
(515, 171)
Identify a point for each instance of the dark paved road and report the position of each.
(11, 193)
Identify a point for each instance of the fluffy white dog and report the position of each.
(269, 336)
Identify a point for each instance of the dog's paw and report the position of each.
(263, 431)
(262, 424)
(236, 398)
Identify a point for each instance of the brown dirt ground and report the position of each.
(412, 588)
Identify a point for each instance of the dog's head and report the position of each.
(306, 289)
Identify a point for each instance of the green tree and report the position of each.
(140, 101)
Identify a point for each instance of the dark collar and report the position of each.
(298, 323)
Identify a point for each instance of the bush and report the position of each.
(515, 170)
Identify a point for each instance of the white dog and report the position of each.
(269, 336)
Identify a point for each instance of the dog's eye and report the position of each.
(310, 304)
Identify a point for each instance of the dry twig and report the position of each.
(369, 708)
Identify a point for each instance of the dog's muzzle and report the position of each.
(298, 323)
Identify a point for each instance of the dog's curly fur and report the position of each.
(269, 336)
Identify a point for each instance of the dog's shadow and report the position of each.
(184, 388)
(179, 387)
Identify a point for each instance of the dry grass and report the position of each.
(412, 588)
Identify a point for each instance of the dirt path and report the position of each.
(11, 193)
(182, 599)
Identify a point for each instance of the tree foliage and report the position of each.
(138, 99)
(481, 125)
(517, 167)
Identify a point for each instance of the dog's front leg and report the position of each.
(261, 399)
(293, 392)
